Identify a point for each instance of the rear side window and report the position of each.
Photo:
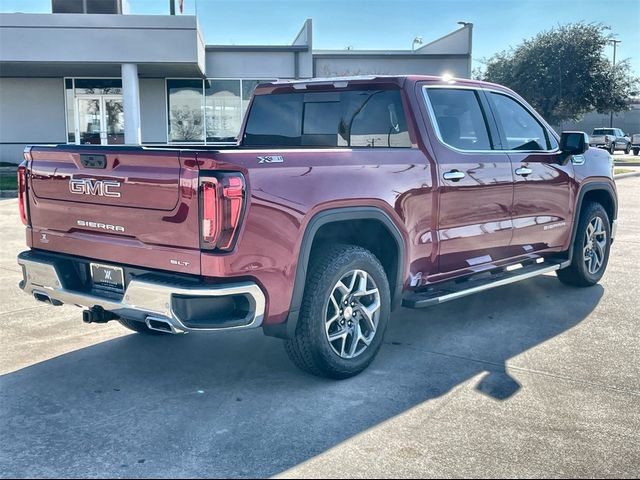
(521, 129)
(353, 118)
(459, 118)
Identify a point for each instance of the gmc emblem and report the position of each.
(90, 186)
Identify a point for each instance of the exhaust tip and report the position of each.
(41, 297)
(160, 325)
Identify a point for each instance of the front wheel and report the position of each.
(627, 149)
(590, 248)
(344, 313)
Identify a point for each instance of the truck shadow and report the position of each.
(232, 405)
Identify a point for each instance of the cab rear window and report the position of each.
(354, 118)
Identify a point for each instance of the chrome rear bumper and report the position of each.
(142, 299)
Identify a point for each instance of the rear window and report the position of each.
(354, 118)
(603, 131)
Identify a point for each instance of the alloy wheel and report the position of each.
(595, 245)
(352, 314)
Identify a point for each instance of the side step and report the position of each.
(452, 290)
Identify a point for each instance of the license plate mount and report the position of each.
(107, 276)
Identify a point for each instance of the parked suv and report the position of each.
(344, 199)
(610, 139)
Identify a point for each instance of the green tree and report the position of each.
(564, 73)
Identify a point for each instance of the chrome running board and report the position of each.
(452, 290)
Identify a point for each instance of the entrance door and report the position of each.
(99, 120)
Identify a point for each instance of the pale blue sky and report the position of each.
(391, 24)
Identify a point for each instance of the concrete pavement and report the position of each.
(529, 380)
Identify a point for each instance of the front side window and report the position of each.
(353, 118)
(459, 118)
(522, 131)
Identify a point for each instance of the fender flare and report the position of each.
(584, 189)
(288, 328)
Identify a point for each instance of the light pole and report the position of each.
(615, 45)
(416, 41)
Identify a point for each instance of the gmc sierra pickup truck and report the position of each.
(343, 199)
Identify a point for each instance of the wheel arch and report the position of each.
(320, 228)
(600, 192)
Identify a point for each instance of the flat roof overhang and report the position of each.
(62, 69)
(87, 45)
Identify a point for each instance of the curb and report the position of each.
(8, 193)
(626, 175)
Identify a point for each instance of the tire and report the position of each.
(581, 272)
(139, 327)
(311, 349)
(612, 148)
(627, 149)
(636, 151)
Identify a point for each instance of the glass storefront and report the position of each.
(199, 111)
(207, 111)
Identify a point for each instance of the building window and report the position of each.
(186, 121)
(86, 6)
(208, 111)
(98, 86)
(223, 110)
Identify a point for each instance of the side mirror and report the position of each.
(574, 143)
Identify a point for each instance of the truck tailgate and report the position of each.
(126, 205)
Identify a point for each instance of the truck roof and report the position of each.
(344, 81)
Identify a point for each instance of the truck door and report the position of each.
(543, 197)
(475, 188)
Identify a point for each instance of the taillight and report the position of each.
(210, 214)
(222, 205)
(22, 192)
(606, 138)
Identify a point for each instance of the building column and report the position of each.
(131, 104)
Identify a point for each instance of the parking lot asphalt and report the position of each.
(528, 380)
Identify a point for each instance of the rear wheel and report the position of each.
(139, 327)
(590, 248)
(612, 148)
(344, 313)
(636, 151)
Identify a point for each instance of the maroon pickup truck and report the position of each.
(344, 199)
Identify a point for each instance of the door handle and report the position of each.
(524, 171)
(454, 175)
